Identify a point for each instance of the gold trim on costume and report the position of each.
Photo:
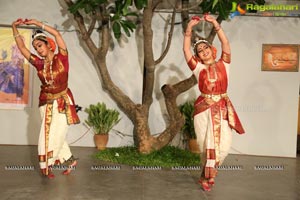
(69, 116)
(214, 97)
(63, 52)
(226, 57)
(51, 96)
(192, 63)
(233, 119)
(216, 119)
(31, 58)
(60, 67)
(48, 118)
(42, 158)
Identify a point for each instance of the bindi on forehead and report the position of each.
(37, 42)
(202, 46)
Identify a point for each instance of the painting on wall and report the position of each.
(280, 57)
(15, 72)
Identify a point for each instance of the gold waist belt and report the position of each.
(51, 96)
(214, 97)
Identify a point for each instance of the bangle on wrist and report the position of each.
(43, 26)
(15, 36)
(188, 34)
(217, 28)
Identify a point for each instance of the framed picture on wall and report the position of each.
(15, 71)
(280, 57)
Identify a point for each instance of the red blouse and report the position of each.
(55, 83)
(218, 88)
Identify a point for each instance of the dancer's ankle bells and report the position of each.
(211, 181)
(72, 162)
(205, 185)
(50, 174)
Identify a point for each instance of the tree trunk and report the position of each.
(145, 141)
(138, 113)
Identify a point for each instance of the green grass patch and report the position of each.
(167, 157)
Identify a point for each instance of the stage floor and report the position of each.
(240, 178)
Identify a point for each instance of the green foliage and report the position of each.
(88, 6)
(187, 109)
(118, 16)
(140, 4)
(101, 119)
(168, 156)
(223, 7)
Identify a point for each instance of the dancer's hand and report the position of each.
(18, 22)
(193, 22)
(31, 22)
(209, 18)
(196, 18)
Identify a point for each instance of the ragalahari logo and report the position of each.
(237, 10)
(276, 9)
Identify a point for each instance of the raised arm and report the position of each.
(58, 38)
(187, 38)
(221, 35)
(19, 39)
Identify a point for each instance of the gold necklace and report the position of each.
(51, 74)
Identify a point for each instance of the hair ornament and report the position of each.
(201, 41)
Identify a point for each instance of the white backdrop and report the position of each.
(267, 102)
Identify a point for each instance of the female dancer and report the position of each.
(214, 115)
(56, 103)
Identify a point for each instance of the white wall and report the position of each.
(266, 101)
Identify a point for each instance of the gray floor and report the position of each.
(242, 177)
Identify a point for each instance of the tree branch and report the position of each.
(91, 28)
(80, 21)
(163, 55)
(99, 54)
(187, 7)
(122, 100)
(149, 64)
(155, 4)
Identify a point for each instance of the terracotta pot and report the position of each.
(101, 141)
(194, 146)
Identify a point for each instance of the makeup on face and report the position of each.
(201, 48)
(40, 47)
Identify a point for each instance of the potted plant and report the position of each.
(101, 120)
(187, 109)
